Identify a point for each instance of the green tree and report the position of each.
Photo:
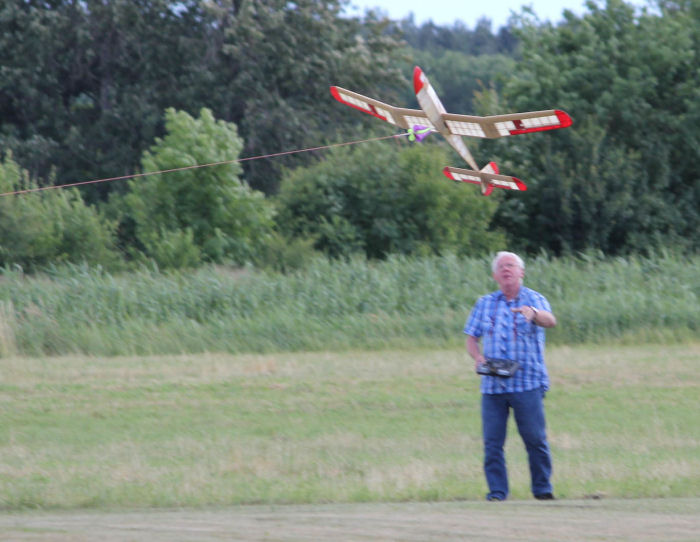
(386, 199)
(50, 227)
(83, 84)
(282, 57)
(457, 77)
(208, 214)
(438, 39)
(625, 176)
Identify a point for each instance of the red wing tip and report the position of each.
(564, 118)
(417, 79)
(448, 173)
(335, 93)
(521, 185)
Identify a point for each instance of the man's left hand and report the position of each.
(530, 313)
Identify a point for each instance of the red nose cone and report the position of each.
(417, 79)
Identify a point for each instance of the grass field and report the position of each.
(219, 429)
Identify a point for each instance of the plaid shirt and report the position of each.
(508, 335)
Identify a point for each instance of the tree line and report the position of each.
(93, 89)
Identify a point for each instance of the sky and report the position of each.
(446, 12)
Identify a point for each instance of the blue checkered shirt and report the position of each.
(508, 335)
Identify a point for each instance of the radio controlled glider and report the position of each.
(433, 117)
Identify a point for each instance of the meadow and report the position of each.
(204, 430)
(345, 382)
(335, 305)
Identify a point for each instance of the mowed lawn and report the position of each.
(219, 429)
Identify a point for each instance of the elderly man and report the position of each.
(511, 322)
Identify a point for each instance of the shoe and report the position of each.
(545, 497)
(494, 498)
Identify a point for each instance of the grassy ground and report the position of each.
(219, 429)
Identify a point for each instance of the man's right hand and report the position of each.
(474, 351)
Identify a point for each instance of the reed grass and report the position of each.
(335, 305)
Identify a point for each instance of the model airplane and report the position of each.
(432, 115)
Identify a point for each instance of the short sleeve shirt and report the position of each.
(508, 335)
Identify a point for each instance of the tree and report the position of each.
(83, 85)
(209, 214)
(457, 77)
(438, 39)
(386, 199)
(625, 176)
(282, 57)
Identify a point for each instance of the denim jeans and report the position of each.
(528, 408)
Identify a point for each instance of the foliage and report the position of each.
(83, 85)
(197, 214)
(52, 227)
(625, 177)
(285, 254)
(336, 305)
(282, 57)
(437, 39)
(83, 88)
(457, 77)
(385, 199)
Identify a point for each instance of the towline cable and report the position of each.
(197, 166)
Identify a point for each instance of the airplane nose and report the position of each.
(417, 79)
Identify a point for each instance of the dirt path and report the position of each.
(600, 520)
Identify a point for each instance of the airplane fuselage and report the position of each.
(432, 106)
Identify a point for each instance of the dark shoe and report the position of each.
(495, 498)
(544, 497)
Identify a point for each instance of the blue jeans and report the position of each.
(528, 409)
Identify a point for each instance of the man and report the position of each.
(511, 322)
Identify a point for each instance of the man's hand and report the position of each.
(538, 317)
(530, 313)
(475, 352)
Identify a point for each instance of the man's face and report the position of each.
(508, 273)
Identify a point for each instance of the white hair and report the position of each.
(502, 254)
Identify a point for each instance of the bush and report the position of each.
(203, 214)
(50, 227)
(283, 254)
(386, 199)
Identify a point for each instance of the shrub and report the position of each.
(204, 214)
(386, 199)
(53, 226)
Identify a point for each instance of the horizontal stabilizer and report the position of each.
(487, 180)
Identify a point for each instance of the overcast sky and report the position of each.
(446, 12)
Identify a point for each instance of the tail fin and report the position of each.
(491, 167)
(486, 187)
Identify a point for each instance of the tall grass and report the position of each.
(335, 305)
